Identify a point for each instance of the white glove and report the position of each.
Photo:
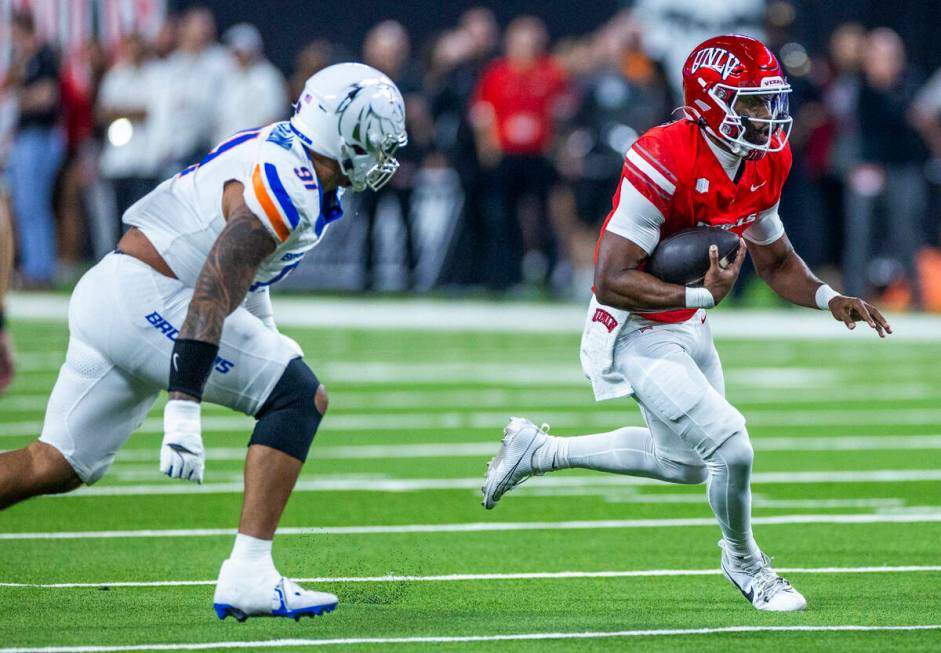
(182, 455)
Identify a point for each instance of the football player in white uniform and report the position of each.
(186, 294)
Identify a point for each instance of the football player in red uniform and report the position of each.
(723, 164)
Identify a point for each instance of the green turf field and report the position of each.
(387, 514)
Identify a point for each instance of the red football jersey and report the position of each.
(674, 168)
(523, 102)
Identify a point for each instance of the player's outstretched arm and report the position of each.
(786, 273)
(221, 286)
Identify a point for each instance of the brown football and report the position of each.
(683, 258)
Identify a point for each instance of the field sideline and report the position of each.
(846, 428)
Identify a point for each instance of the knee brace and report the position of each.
(288, 420)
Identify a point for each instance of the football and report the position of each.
(683, 258)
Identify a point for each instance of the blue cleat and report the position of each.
(244, 592)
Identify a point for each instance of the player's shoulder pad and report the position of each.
(282, 188)
(657, 161)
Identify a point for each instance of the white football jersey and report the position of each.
(182, 217)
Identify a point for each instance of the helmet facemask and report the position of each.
(749, 135)
(371, 166)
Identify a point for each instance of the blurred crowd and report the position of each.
(535, 129)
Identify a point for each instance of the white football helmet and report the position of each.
(354, 114)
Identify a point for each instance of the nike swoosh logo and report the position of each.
(176, 368)
(754, 188)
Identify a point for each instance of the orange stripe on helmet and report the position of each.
(274, 217)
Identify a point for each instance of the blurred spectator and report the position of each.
(889, 176)
(840, 79)
(8, 120)
(841, 94)
(458, 59)
(615, 110)
(514, 121)
(185, 93)
(124, 102)
(387, 48)
(312, 58)
(164, 43)
(623, 93)
(672, 28)
(926, 113)
(81, 76)
(6, 272)
(253, 94)
(37, 150)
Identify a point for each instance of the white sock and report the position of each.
(630, 450)
(252, 551)
(729, 492)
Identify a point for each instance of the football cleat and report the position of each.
(513, 464)
(243, 593)
(759, 583)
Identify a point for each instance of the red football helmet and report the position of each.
(734, 88)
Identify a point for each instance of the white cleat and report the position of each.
(245, 592)
(759, 583)
(513, 464)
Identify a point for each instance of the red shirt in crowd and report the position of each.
(522, 100)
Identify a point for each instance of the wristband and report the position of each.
(699, 298)
(180, 415)
(190, 365)
(823, 296)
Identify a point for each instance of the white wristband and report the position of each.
(699, 298)
(182, 415)
(823, 296)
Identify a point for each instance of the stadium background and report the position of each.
(620, 61)
(386, 513)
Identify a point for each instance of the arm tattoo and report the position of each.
(226, 275)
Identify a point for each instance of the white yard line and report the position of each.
(597, 418)
(630, 495)
(453, 639)
(511, 317)
(550, 398)
(488, 448)
(482, 527)
(539, 575)
(360, 484)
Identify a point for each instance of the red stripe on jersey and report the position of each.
(647, 187)
(649, 158)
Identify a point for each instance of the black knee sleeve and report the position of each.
(288, 420)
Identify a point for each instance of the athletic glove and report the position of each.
(182, 455)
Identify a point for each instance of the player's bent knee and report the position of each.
(289, 419)
(737, 451)
(50, 471)
(38, 469)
